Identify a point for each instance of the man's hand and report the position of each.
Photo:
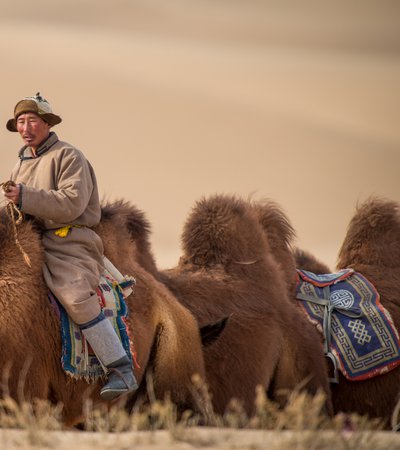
(12, 193)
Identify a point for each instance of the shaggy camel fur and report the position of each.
(307, 261)
(227, 268)
(166, 336)
(371, 247)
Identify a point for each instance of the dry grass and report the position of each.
(302, 424)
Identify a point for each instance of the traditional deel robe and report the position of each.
(59, 188)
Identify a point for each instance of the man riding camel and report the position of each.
(54, 182)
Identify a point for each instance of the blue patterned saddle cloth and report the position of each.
(359, 335)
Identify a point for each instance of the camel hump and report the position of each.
(376, 214)
(126, 216)
(275, 222)
(307, 261)
(373, 235)
(135, 220)
(220, 230)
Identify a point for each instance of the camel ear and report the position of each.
(210, 333)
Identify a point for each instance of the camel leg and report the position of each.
(301, 366)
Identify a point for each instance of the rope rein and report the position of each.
(16, 217)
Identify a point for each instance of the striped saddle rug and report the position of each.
(78, 359)
(359, 335)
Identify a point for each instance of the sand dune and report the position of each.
(175, 100)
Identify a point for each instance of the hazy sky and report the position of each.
(172, 101)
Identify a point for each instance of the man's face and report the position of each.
(32, 129)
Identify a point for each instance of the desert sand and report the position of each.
(298, 102)
(204, 438)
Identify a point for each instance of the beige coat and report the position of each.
(59, 188)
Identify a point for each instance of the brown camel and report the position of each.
(307, 261)
(372, 248)
(166, 336)
(227, 268)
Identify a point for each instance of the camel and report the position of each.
(227, 268)
(372, 248)
(307, 261)
(166, 336)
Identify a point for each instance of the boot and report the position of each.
(108, 348)
(121, 379)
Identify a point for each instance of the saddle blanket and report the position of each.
(78, 359)
(358, 331)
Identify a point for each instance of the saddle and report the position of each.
(359, 335)
(78, 359)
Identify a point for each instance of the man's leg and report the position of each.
(109, 350)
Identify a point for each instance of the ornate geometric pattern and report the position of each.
(362, 336)
(342, 298)
(360, 331)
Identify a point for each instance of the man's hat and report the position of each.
(37, 105)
